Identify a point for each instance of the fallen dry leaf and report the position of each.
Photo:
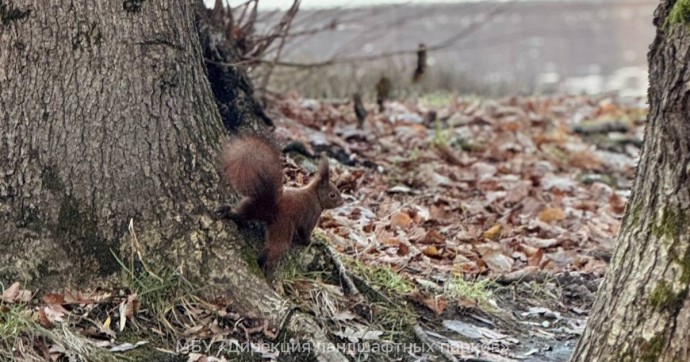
(535, 259)
(432, 237)
(617, 203)
(10, 294)
(432, 251)
(551, 214)
(54, 298)
(401, 220)
(54, 313)
(438, 212)
(586, 160)
(435, 304)
(14, 294)
(403, 249)
(493, 233)
(43, 319)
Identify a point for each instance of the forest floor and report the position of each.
(481, 226)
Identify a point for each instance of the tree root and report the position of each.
(424, 338)
(350, 287)
(539, 276)
(352, 290)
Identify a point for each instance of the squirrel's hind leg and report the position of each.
(302, 237)
(278, 241)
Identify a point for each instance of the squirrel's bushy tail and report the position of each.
(253, 167)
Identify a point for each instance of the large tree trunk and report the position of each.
(107, 116)
(642, 312)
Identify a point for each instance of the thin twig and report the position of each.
(447, 43)
(349, 285)
(286, 23)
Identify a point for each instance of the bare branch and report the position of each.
(286, 23)
(442, 45)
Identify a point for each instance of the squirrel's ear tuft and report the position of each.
(323, 167)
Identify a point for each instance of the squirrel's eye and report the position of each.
(331, 195)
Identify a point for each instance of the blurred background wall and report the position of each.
(495, 47)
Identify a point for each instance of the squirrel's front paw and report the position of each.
(267, 263)
(224, 212)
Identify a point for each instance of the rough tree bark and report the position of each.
(642, 312)
(231, 88)
(107, 116)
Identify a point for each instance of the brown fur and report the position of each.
(252, 166)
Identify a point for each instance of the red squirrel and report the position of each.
(253, 167)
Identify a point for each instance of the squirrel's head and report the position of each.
(329, 196)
